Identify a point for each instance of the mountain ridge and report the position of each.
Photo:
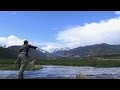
(80, 52)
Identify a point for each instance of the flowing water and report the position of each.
(64, 72)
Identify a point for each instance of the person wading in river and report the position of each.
(21, 60)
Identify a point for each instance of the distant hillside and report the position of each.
(99, 50)
(12, 52)
(87, 51)
(7, 53)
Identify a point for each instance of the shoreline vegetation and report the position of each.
(8, 64)
(12, 67)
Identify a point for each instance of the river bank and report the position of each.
(9, 64)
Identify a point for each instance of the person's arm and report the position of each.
(34, 47)
(20, 49)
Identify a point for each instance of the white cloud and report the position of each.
(11, 40)
(117, 12)
(106, 31)
(50, 46)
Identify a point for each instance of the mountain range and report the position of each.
(12, 52)
(87, 51)
(80, 52)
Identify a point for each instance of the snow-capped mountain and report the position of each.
(4, 46)
(52, 50)
(39, 49)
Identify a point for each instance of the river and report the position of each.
(65, 72)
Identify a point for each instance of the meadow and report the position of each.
(8, 64)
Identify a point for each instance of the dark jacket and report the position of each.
(25, 48)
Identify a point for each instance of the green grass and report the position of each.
(12, 67)
(8, 64)
(7, 67)
(7, 61)
(94, 63)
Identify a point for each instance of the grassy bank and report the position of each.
(93, 63)
(12, 67)
(9, 63)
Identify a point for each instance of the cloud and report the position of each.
(117, 12)
(50, 46)
(105, 31)
(11, 40)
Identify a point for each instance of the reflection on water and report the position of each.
(65, 72)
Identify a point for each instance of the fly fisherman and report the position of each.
(21, 60)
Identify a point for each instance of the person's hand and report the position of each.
(35, 47)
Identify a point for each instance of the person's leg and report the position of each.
(22, 67)
(17, 63)
(32, 66)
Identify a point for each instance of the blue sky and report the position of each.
(46, 27)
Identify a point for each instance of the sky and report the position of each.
(59, 29)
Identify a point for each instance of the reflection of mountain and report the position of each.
(12, 52)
